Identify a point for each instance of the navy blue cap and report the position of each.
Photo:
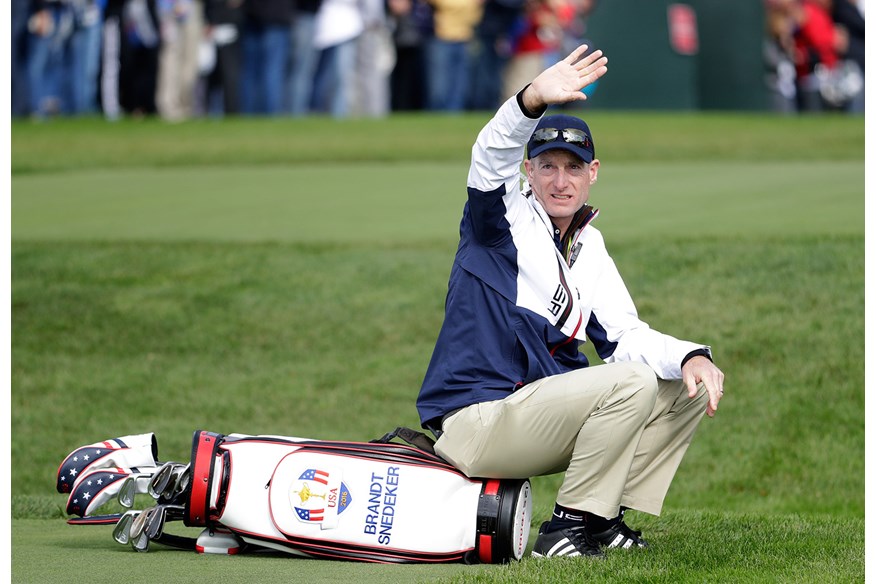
(581, 144)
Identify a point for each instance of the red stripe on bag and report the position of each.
(201, 480)
(485, 548)
(485, 541)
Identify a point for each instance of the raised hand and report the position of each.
(563, 82)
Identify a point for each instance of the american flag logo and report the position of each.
(313, 515)
(311, 488)
(313, 474)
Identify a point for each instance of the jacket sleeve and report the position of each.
(494, 175)
(619, 335)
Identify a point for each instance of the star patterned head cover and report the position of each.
(140, 450)
(96, 487)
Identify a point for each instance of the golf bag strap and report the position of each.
(205, 447)
(412, 437)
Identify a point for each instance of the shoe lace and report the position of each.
(633, 534)
(581, 539)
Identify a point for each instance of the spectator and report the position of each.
(182, 28)
(265, 47)
(138, 48)
(447, 66)
(575, 30)
(19, 92)
(539, 42)
(781, 21)
(819, 43)
(575, 35)
(303, 61)
(375, 58)
(111, 60)
(411, 24)
(224, 19)
(849, 15)
(492, 51)
(338, 24)
(50, 27)
(63, 56)
(82, 61)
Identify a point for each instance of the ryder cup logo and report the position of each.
(318, 497)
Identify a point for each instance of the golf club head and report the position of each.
(170, 480)
(141, 543)
(138, 525)
(155, 522)
(183, 479)
(122, 530)
(128, 492)
(135, 484)
(161, 480)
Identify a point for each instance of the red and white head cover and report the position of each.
(96, 486)
(127, 452)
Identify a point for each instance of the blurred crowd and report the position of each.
(187, 58)
(814, 53)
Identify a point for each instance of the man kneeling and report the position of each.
(507, 391)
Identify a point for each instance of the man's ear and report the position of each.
(594, 170)
(527, 166)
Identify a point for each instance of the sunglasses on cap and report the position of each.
(570, 136)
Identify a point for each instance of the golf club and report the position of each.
(122, 530)
(131, 487)
(141, 543)
(165, 480)
(138, 525)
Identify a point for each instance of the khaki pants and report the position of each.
(178, 64)
(617, 431)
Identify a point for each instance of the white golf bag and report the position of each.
(378, 501)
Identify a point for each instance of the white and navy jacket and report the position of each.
(516, 310)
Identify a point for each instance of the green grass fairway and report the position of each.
(288, 277)
(705, 547)
(421, 201)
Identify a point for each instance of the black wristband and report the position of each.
(697, 353)
(525, 110)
